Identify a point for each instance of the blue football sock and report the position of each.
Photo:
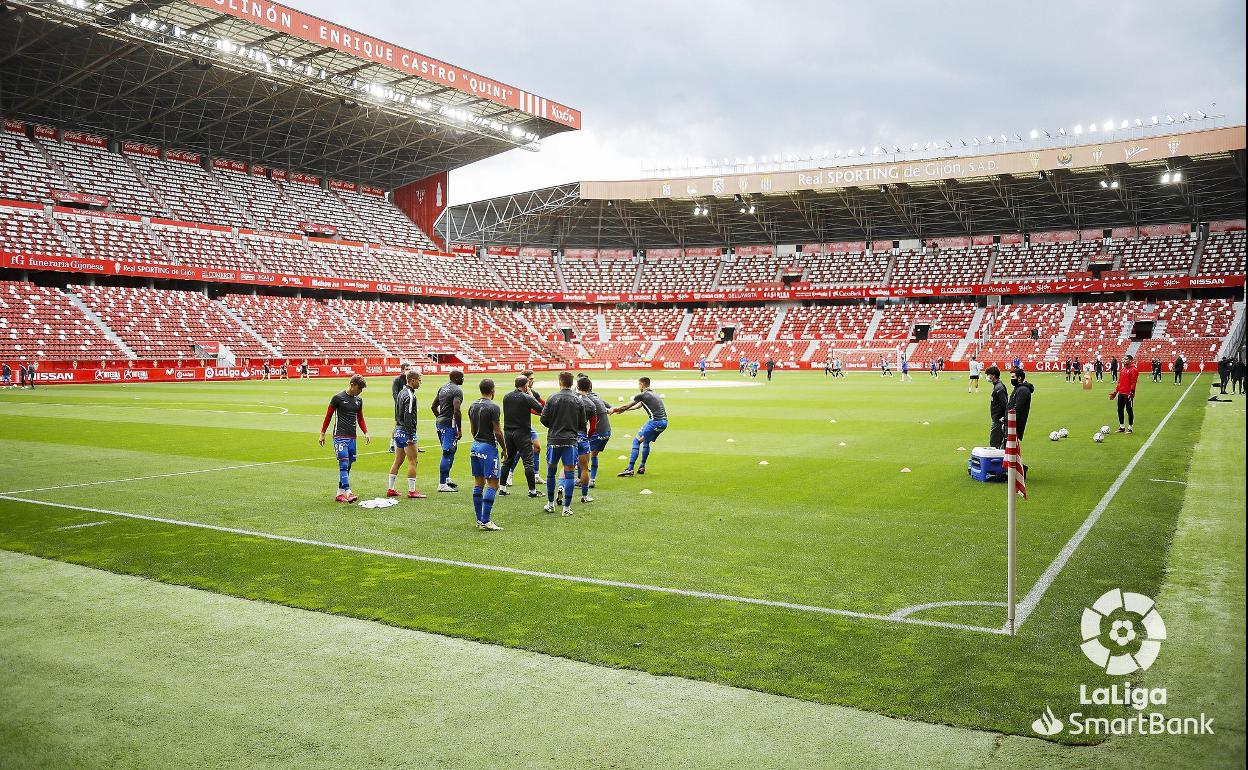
(537, 464)
(593, 468)
(632, 455)
(645, 453)
(344, 475)
(477, 501)
(569, 485)
(487, 503)
(444, 467)
(584, 486)
(550, 483)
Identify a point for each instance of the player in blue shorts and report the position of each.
(564, 416)
(589, 428)
(485, 422)
(650, 431)
(348, 408)
(404, 436)
(601, 433)
(448, 420)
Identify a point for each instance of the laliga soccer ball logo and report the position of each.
(1122, 632)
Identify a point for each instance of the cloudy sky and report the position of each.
(666, 80)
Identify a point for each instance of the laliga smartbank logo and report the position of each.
(1122, 633)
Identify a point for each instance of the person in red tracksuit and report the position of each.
(1125, 391)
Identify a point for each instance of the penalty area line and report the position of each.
(180, 473)
(1029, 602)
(690, 593)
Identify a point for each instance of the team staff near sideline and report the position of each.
(6, 376)
(1020, 399)
(404, 437)
(651, 429)
(484, 420)
(519, 406)
(348, 410)
(448, 420)
(1125, 392)
(998, 405)
(564, 416)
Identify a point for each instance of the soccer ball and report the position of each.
(1054, 436)
(1098, 438)
(1062, 433)
(1104, 429)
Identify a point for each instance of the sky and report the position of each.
(665, 81)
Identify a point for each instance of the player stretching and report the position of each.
(563, 415)
(487, 436)
(601, 434)
(348, 408)
(404, 437)
(449, 420)
(650, 430)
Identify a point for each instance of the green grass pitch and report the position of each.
(830, 522)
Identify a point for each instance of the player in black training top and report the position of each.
(519, 406)
(485, 421)
(404, 437)
(650, 430)
(348, 408)
(449, 424)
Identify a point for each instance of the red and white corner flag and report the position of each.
(1013, 453)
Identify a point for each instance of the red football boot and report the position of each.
(414, 495)
(351, 498)
(392, 493)
(341, 498)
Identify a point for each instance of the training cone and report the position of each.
(645, 492)
(905, 470)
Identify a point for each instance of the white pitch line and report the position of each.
(81, 526)
(906, 612)
(517, 571)
(1033, 597)
(180, 473)
(1169, 481)
(282, 411)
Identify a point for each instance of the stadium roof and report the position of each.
(259, 82)
(1044, 185)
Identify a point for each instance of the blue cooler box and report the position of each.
(986, 464)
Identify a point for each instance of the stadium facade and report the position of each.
(203, 185)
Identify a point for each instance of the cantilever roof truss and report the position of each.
(94, 69)
(557, 217)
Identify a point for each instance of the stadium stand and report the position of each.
(98, 171)
(300, 327)
(840, 322)
(1099, 328)
(166, 324)
(599, 274)
(104, 237)
(323, 207)
(28, 230)
(750, 323)
(750, 268)
(1024, 330)
(39, 323)
(1223, 254)
(190, 192)
(348, 260)
(1169, 255)
(24, 174)
(944, 268)
(1049, 260)
(643, 323)
(677, 273)
(390, 224)
(846, 269)
(287, 254)
(525, 273)
(204, 247)
(263, 200)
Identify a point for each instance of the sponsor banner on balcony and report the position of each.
(228, 165)
(297, 176)
(374, 191)
(1226, 225)
(463, 249)
(14, 126)
(1054, 236)
(138, 148)
(316, 228)
(335, 184)
(72, 198)
(1154, 231)
(186, 156)
(45, 132)
(503, 251)
(79, 137)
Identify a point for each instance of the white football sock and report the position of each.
(393, 478)
(411, 485)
